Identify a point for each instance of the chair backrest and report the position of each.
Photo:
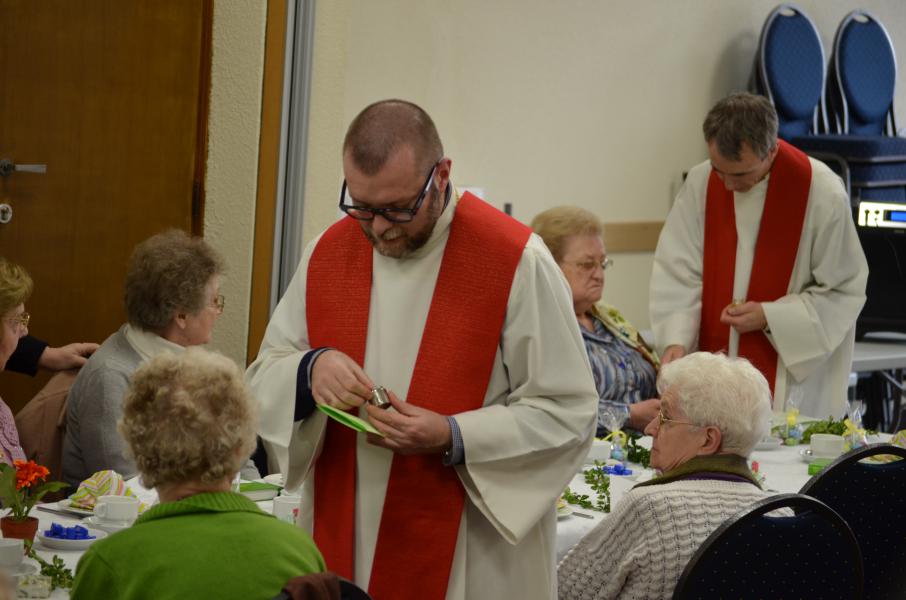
(42, 424)
(321, 586)
(863, 75)
(871, 497)
(811, 554)
(790, 71)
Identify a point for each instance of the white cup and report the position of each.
(826, 445)
(12, 552)
(286, 508)
(117, 509)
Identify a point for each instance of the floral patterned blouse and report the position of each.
(623, 365)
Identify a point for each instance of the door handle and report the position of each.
(7, 166)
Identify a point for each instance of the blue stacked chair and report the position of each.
(860, 91)
(850, 125)
(789, 71)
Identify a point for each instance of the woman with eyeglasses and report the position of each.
(713, 410)
(172, 302)
(623, 364)
(15, 289)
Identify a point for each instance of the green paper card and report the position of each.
(351, 421)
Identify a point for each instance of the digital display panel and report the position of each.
(897, 215)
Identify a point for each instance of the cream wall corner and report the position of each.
(327, 118)
(231, 179)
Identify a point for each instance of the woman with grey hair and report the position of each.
(623, 365)
(188, 421)
(172, 301)
(714, 409)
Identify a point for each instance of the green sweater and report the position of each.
(216, 545)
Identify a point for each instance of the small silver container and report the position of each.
(380, 398)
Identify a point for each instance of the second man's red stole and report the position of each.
(775, 254)
(424, 502)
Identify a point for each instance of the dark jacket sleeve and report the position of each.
(25, 358)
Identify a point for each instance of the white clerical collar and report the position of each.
(147, 344)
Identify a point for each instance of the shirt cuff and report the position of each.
(456, 455)
(305, 400)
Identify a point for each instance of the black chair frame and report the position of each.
(799, 503)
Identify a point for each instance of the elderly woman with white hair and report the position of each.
(714, 409)
(189, 422)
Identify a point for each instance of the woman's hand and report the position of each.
(671, 353)
(641, 413)
(70, 356)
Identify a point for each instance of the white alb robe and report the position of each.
(521, 448)
(812, 327)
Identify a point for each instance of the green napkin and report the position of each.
(349, 420)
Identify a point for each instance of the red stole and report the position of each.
(775, 254)
(424, 501)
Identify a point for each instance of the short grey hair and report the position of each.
(738, 118)
(728, 393)
(168, 274)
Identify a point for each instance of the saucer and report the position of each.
(806, 455)
(768, 443)
(108, 526)
(64, 544)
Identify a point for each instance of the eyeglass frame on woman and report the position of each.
(587, 266)
(20, 319)
(219, 303)
(391, 213)
(661, 419)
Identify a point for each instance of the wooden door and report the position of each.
(112, 96)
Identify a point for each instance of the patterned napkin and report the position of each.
(102, 483)
(898, 439)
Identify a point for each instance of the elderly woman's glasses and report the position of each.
(19, 320)
(587, 266)
(392, 214)
(219, 302)
(661, 419)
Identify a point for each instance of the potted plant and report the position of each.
(22, 485)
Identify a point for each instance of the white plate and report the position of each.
(105, 525)
(61, 544)
(564, 511)
(770, 443)
(64, 506)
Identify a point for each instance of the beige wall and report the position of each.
(591, 102)
(233, 129)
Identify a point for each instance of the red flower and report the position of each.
(29, 473)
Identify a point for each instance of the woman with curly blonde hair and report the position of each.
(15, 289)
(189, 422)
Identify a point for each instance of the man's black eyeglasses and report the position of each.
(392, 214)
